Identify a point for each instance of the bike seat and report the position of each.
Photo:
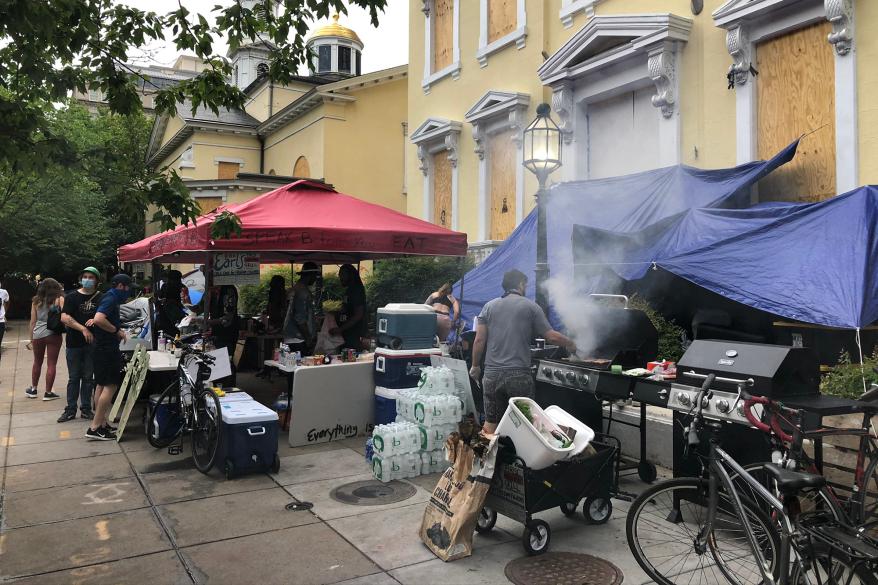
(789, 481)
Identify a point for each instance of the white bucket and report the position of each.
(584, 433)
(530, 445)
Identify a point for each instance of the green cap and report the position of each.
(93, 270)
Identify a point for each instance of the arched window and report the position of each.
(301, 168)
(271, 172)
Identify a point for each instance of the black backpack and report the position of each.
(53, 320)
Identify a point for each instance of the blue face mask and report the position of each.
(88, 283)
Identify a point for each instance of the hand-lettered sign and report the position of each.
(235, 268)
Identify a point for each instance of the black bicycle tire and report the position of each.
(652, 492)
(205, 467)
(161, 443)
(861, 520)
(861, 570)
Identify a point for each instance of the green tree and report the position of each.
(411, 279)
(50, 48)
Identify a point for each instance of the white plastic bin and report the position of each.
(584, 433)
(530, 445)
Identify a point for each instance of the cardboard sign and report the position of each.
(235, 268)
(461, 380)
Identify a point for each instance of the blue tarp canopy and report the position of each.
(650, 201)
(813, 262)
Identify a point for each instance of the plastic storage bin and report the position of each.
(406, 326)
(385, 405)
(249, 440)
(530, 445)
(401, 368)
(584, 433)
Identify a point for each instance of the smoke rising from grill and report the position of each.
(578, 313)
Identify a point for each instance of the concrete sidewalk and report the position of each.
(75, 511)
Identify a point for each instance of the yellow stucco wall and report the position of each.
(866, 14)
(364, 153)
(301, 137)
(258, 104)
(208, 146)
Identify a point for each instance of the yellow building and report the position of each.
(634, 85)
(335, 125)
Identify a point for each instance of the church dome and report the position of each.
(335, 30)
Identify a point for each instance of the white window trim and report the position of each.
(748, 23)
(518, 36)
(227, 159)
(201, 193)
(569, 9)
(436, 135)
(187, 163)
(495, 112)
(649, 58)
(430, 76)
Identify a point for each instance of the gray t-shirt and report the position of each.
(513, 321)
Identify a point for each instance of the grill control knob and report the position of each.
(583, 379)
(740, 411)
(559, 374)
(684, 399)
(547, 371)
(571, 377)
(722, 405)
(705, 403)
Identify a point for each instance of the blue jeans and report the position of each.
(80, 366)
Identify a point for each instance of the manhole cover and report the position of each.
(372, 493)
(563, 569)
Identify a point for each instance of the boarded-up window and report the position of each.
(302, 168)
(502, 18)
(227, 170)
(796, 95)
(501, 160)
(442, 189)
(443, 33)
(208, 204)
(623, 135)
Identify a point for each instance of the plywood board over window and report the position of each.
(441, 189)
(227, 170)
(502, 18)
(208, 204)
(302, 168)
(502, 157)
(443, 34)
(796, 95)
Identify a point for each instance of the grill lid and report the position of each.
(776, 370)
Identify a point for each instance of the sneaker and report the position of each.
(87, 414)
(66, 416)
(100, 435)
(110, 428)
(31, 392)
(51, 396)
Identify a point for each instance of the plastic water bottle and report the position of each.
(381, 468)
(370, 452)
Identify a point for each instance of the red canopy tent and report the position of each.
(305, 220)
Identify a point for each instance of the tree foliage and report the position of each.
(50, 48)
(411, 279)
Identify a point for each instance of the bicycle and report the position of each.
(187, 406)
(785, 425)
(724, 536)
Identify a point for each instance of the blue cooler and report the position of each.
(401, 368)
(406, 326)
(385, 405)
(168, 419)
(249, 440)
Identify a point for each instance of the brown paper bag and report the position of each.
(451, 514)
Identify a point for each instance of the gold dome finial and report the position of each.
(334, 29)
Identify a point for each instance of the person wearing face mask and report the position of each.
(108, 332)
(80, 307)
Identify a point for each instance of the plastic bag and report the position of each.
(326, 343)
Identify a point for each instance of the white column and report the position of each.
(847, 155)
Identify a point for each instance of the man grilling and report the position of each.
(506, 327)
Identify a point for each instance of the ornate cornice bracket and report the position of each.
(562, 103)
(841, 14)
(663, 72)
(738, 45)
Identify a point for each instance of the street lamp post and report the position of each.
(542, 156)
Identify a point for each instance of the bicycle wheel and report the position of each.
(164, 419)
(866, 508)
(829, 567)
(662, 527)
(206, 432)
